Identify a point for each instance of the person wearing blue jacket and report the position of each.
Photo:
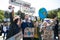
(26, 23)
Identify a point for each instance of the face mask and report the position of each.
(10, 10)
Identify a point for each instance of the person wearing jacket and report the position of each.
(14, 27)
(26, 23)
(0, 30)
(36, 31)
(55, 29)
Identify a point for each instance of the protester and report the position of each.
(43, 26)
(14, 27)
(26, 23)
(36, 30)
(5, 30)
(55, 28)
(0, 30)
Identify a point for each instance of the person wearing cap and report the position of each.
(14, 27)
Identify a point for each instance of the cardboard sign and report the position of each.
(29, 32)
(18, 36)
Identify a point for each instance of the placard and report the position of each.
(29, 32)
(18, 36)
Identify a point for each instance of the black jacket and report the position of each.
(13, 30)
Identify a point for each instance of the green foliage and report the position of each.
(6, 14)
(22, 15)
(1, 15)
(52, 13)
(59, 14)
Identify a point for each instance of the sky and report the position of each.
(48, 4)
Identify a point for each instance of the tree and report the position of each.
(59, 14)
(22, 15)
(52, 13)
(1, 15)
(6, 14)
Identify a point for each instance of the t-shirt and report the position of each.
(4, 29)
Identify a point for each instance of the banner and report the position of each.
(19, 2)
(28, 9)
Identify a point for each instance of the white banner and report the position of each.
(14, 2)
(19, 2)
(28, 9)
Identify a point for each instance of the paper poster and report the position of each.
(29, 32)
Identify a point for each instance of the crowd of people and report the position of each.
(19, 24)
